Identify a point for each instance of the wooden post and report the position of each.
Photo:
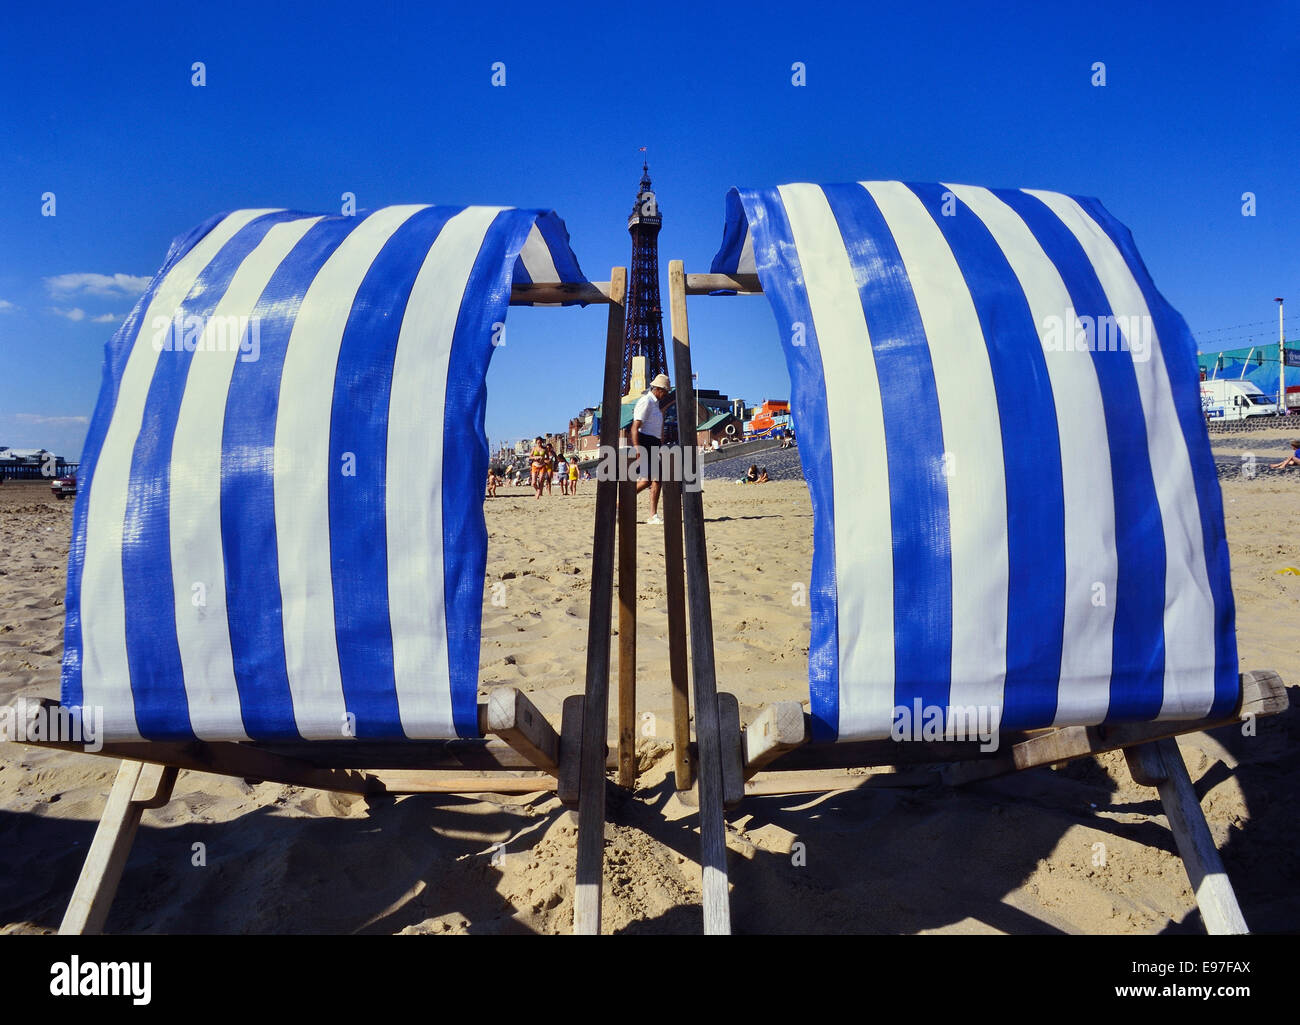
(713, 827)
(683, 772)
(1160, 764)
(595, 707)
(627, 633)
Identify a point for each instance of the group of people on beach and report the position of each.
(545, 465)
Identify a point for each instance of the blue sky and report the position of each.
(395, 104)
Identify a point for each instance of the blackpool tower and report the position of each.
(643, 351)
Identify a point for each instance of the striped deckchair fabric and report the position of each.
(279, 533)
(1015, 504)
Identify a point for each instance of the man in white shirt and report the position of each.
(647, 432)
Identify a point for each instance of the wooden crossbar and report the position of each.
(705, 284)
(594, 292)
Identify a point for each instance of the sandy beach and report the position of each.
(892, 855)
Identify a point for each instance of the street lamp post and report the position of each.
(1281, 360)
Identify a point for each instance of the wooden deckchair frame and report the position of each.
(778, 738)
(526, 756)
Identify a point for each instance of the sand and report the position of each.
(1081, 849)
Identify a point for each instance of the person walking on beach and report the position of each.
(647, 433)
(1292, 460)
(573, 476)
(562, 471)
(550, 466)
(537, 466)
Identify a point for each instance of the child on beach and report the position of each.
(1292, 460)
(573, 477)
(562, 471)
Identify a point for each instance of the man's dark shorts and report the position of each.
(651, 445)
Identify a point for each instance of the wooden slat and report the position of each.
(713, 837)
(595, 711)
(511, 716)
(627, 634)
(474, 755)
(778, 728)
(816, 781)
(703, 284)
(102, 871)
(417, 781)
(570, 750)
(675, 584)
(588, 292)
(245, 761)
(733, 759)
(1161, 764)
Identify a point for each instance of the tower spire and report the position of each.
(644, 357)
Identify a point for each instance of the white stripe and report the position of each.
(413, 501)
(746, 264)
(1083, 696)
(1189, 605)
(105, 674)
(537, 258)
(972, 441)
(303, 473)
(864, 568)
(203, 630)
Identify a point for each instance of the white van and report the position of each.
(1234, 400)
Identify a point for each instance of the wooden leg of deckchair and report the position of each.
(683, 771)
(1160, 764)
(595, 707)
(627, 634)
(713, 827)
(138, 786)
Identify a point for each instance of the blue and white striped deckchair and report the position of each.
(279, 536)
(1017, 519)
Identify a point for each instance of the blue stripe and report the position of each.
(1178, 349)
(363, 381)
(153, 653)
(116, 353)
(735, 230)
(465, 457)
(781, 275)
(1138, 658)
(254, 610)
(1031, 450)
(918, 490)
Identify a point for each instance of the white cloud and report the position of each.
(51, 421)
(106, 318)
(74, 314)
(7, 307)
(106, 285)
